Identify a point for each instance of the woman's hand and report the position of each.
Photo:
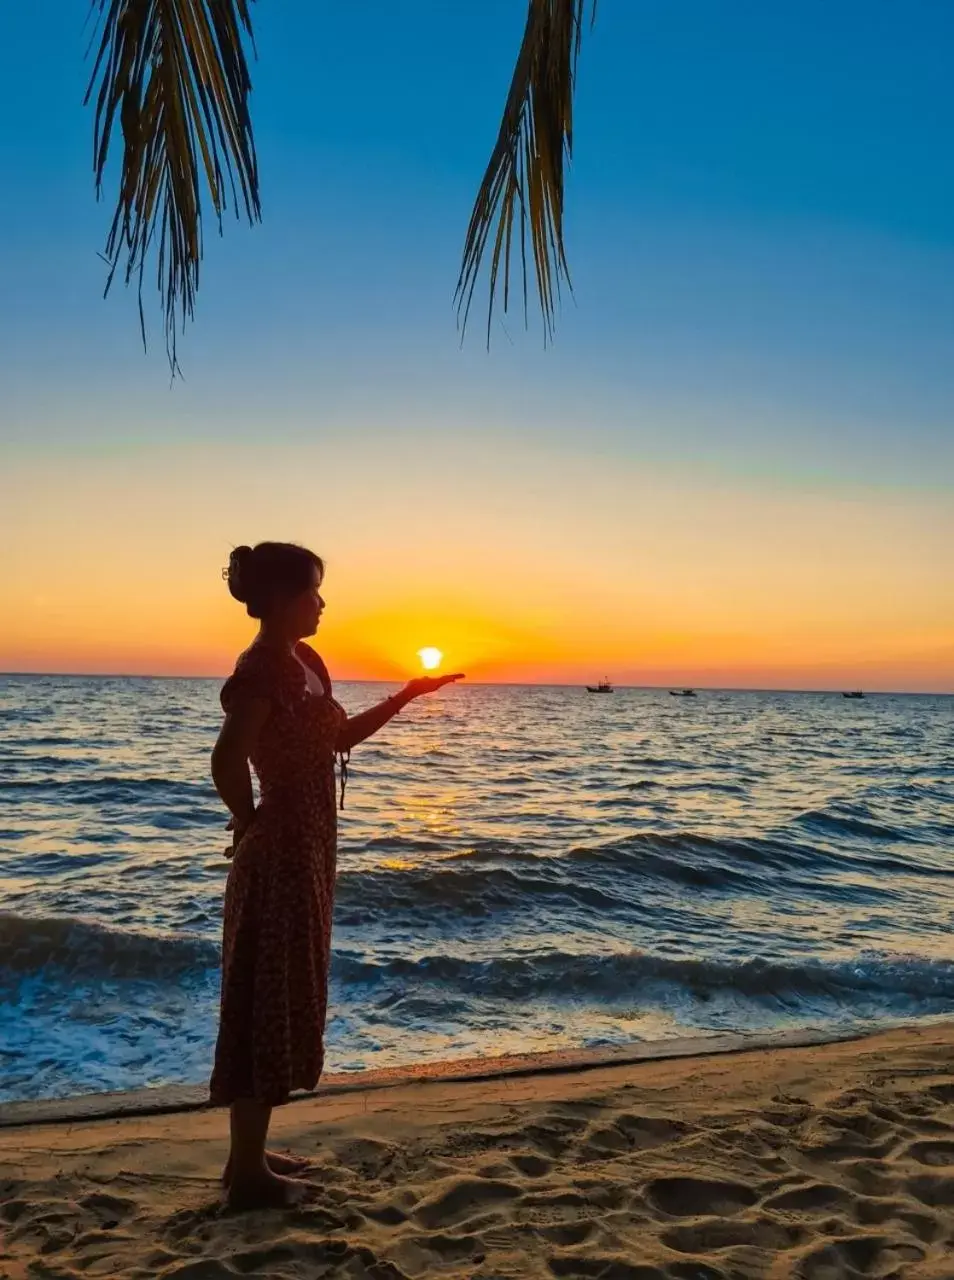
(238, 830)
(427, 684)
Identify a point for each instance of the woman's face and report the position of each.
(304, 610)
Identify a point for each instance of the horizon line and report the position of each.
(498, 684)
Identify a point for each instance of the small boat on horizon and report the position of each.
(853, 693)
(682, 693)
(604, 686)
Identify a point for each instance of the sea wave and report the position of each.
(833, 822)
(31, 944)
(74, 947)
(612, 976)
(500, 874)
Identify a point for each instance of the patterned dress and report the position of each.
(278, 902)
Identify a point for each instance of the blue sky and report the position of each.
(760, 223)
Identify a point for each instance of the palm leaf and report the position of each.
(174, 75)
(523, 183)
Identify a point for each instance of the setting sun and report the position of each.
(430, 658)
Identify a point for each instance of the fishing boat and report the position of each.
(682, 693)
(853, 693)
(604, 686)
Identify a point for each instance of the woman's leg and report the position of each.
(251, 1182)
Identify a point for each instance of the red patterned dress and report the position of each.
(276, 942)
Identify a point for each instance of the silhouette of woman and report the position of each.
(280, 717)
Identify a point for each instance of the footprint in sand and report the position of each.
(645, 1132)
(603, 1143)
(869, 1177)
(14, 1209)
(923, 1226)
(689, 1197)
(933, 1190)
(556, 1133)
(462, 1198)
(389, 1215)
(936, 1153)
(567, 1233)
(109, 1211)
(531, 1166)
(861, 1256)
(448, 1248)
(875, 1213)
(705, 1237)
(367, 1156)
(833, 1137)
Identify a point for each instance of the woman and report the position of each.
(280, 716)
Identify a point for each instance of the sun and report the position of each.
(430, 657)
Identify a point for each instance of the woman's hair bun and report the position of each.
(239, 573)
(258, 575)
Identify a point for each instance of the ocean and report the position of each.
(520, 869)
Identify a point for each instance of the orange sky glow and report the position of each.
(519, 568)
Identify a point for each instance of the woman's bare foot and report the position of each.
(265, 1190)
(280, 1163)
(294, 1166)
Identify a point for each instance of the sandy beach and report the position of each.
(825, 1161)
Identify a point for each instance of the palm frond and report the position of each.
(524, 180)
(173, 74)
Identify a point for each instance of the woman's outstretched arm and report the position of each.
(360, 727)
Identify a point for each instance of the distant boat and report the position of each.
(604, 686)
(682, 693)
(854, 693)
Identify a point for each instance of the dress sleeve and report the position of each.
(256, 675)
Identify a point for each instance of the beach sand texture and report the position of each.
(823, 1162)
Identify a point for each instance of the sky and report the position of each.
(733, 466)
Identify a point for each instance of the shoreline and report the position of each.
(180, 1098)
